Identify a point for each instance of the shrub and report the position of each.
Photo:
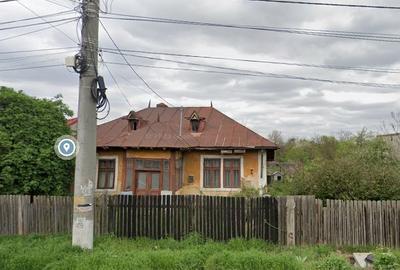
(386, 261)
(333, 262)
(251, 259)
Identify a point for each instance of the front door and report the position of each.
(148, 183)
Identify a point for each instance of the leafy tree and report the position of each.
(359, 167)
(29, 128)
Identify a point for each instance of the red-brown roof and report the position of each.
(72, 121)
(159, 128)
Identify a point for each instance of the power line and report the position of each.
(35, 18)
(41, 17)
(57, 4)
(39, 50)
(35, 31)
(134, 71)
(31, 67)
(301, 31)
(5, 1)
(328, 4)
(116, 83)
(35, 24)
(24, 57)
(48, 60)
(336, 67)
(267, 75)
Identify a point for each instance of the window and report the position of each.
(231, 173)
(166, 175)
(106, 174)
(129, 174)
(179, 173)
(222, 172)
(195, 122)
(211, 173)
(147, 176)
(148, 164)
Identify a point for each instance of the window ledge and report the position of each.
(220, 189)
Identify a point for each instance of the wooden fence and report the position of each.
(218, 218)
(332, 222)
(342, 223)
(35, 214)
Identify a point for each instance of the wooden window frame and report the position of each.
(221, 157)
(212, 169)
(231, 168)
(136, 169)
(115, 180)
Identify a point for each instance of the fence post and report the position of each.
(290, 221)
(19, 217)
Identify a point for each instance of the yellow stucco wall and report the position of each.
(122, 155)
(192, 167)
(156, 154)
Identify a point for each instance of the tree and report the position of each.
(276, 137)
(29, 128)
(360, 167)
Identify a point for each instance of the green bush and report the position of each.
(251, 259)
(386, 261)
(282, 188)
(333, 262)
(359, 168)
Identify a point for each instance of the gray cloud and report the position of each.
(297, 108)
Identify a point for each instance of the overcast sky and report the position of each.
(297, 108)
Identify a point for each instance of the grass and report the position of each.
(55, 252)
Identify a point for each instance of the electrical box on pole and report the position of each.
(85, 168)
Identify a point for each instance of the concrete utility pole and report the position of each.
(85, 167)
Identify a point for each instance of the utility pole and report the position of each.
(85, 166)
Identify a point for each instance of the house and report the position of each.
(278, 171)
(180, 150)
(274, 177)
(73, 125)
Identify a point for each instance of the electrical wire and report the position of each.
(300, 31)
(268, 75)
(336, 67)
(38, 50)
(24, 57)
(36, 31)
(134, 71)
(328, 4)
(35, 18)
(57, 4)
(35, 24)
(115, 81)
(31, 67)
(43, 19)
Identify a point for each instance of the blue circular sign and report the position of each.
(66, 147)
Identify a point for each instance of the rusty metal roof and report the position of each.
(159, 127)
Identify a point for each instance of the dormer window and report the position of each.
(134, 124)
(133, 121)
(195, 122)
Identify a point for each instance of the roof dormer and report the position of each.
(133, 121)
(195, 120)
